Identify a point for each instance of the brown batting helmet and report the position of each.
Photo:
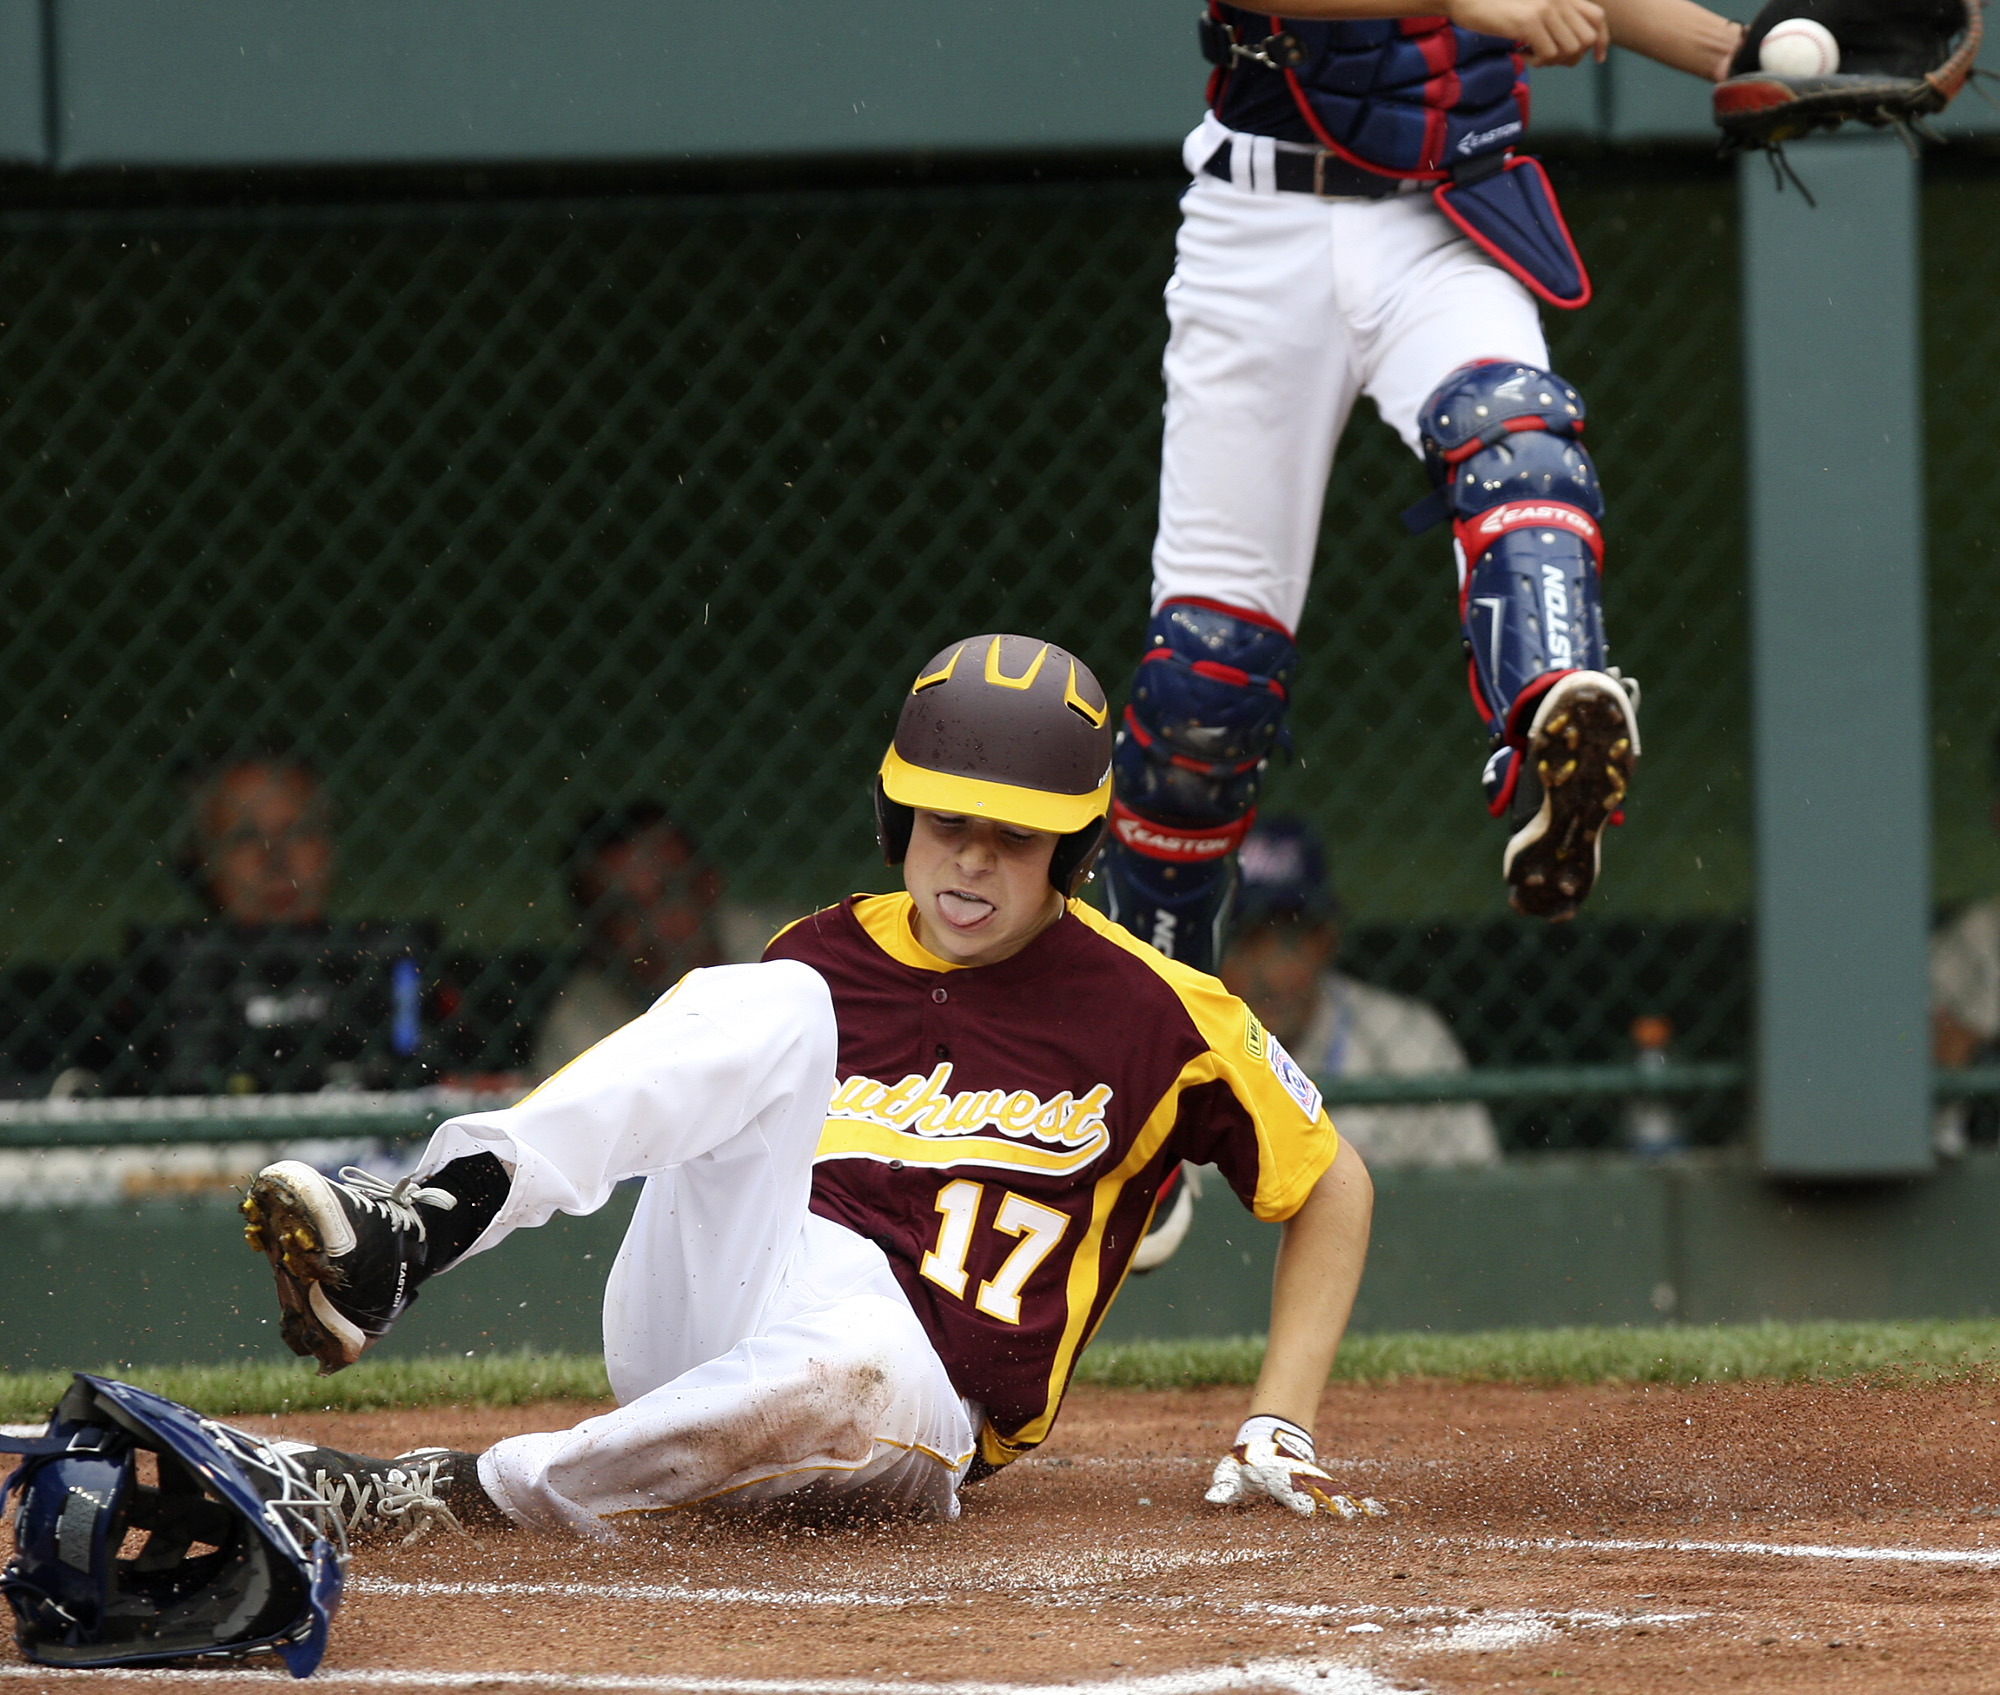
(1008, 728)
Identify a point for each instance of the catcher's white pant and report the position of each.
(1282, 309)
(756, 1349)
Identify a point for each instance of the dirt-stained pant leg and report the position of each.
(837, 1391)
(758, 1350)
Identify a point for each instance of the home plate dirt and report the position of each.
(1607, 1539)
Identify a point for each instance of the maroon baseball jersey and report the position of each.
(1002, 1131)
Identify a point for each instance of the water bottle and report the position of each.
(1652, 1125)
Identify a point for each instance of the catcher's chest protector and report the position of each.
(1403, 95)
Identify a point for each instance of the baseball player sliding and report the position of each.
(894, 1173)
(1359, 222)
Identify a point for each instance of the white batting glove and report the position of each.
(1274, 1457)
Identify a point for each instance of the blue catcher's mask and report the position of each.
(268, 1572)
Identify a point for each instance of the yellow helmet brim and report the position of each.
(980, 797)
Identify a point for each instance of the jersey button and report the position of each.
(943, 1052)
(939, 996)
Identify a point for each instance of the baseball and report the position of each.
(1799, 47)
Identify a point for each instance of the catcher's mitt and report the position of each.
(1900, 61)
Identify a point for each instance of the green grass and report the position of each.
(1789, 1353)
(277, 1386)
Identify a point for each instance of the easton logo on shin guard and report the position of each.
(1477, 534)
(1502, 445)
(1556, 619)
(1174, 844)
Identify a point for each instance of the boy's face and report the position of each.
(981, 889)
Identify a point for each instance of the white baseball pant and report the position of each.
(756, 1350)
(1282, 309)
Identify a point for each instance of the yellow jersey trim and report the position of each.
(889, 921)
(1085, 1267)
(1243, 1054)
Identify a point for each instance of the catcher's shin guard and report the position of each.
(1207, 710)
(1502, 442)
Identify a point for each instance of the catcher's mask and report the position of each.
(1007, 728)
(268, 1575)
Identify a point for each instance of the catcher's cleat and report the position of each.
(1581, 747)
(348, 1254)
(415, 1493)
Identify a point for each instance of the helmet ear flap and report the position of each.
(1070, 864)
(893, 824)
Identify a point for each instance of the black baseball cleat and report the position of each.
(348, 1254)
(1582, 745)
(415, 1493)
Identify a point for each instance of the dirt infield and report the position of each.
(1605, 1539)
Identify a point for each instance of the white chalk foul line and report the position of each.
(639, 1592)
(1777, 1550)
(1441, 1626)
(1302, 1677)
(1092, 1573)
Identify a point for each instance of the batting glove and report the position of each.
(1274, 1457)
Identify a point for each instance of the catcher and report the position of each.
(1897, 62)
(894, 1174)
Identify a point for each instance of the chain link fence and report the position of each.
(476, 528)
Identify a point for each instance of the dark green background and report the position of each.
(501, 509)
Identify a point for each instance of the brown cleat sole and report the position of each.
(1583, 756)
(278, 1226)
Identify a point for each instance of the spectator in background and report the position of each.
(1281, 956)
(1965, 992)
(266, 993)
(255, 849)
(257, 846)
(648, 910)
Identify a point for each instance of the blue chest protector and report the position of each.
(1412, 97)
(1407, 96)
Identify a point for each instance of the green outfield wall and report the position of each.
(1554, 1241)
(95, 84)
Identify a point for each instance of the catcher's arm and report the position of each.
(1319, 1268)
(1564, 32)
(1555, 32)
(1678, 33)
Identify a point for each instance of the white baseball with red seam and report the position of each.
(1799, 47)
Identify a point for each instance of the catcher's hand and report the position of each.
(1900, 61)
(1275, 1457)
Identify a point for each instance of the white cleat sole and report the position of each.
(1582, 747)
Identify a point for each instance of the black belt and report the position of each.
(1323, 174)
